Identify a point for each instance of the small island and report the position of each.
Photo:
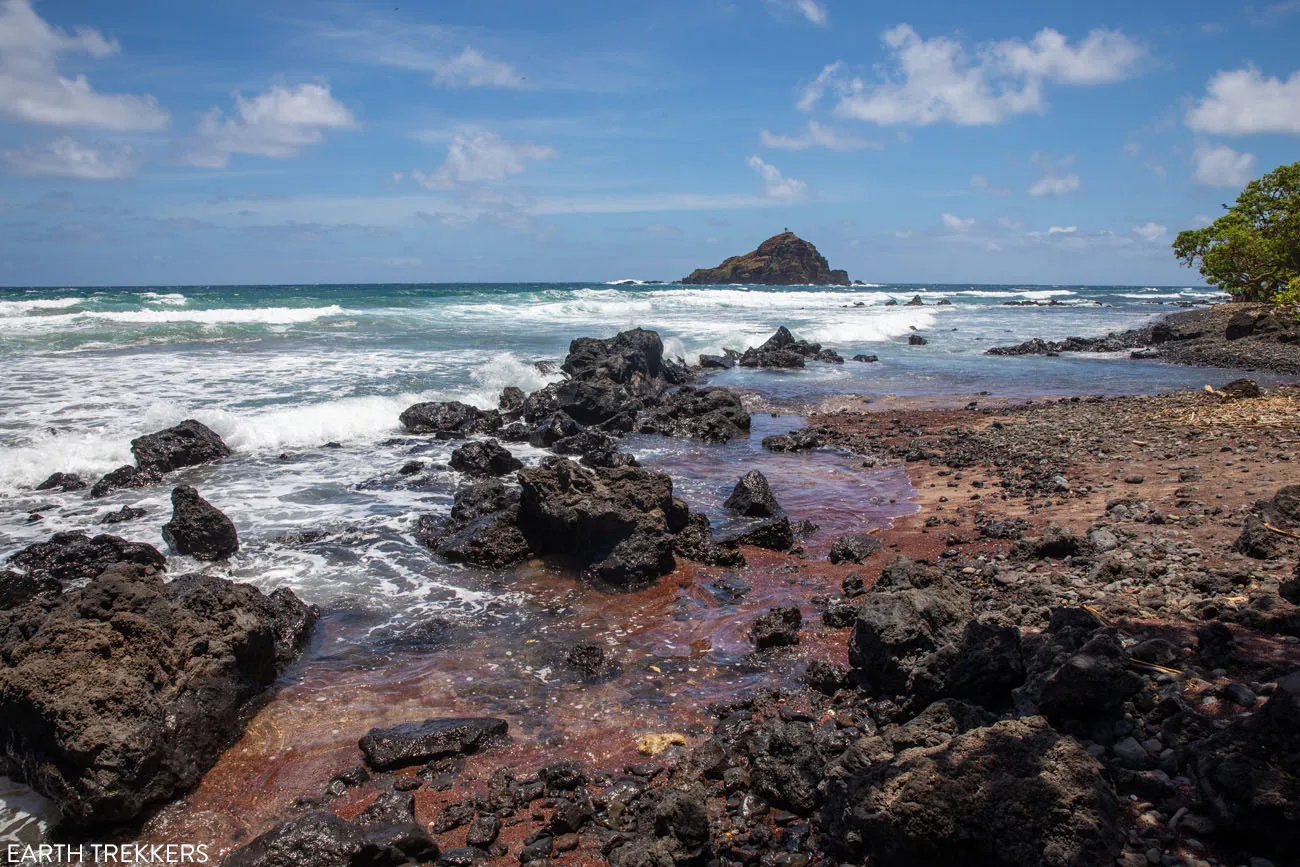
(781, 260)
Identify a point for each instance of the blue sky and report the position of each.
(156, 142)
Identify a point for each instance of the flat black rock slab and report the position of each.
(416, 743)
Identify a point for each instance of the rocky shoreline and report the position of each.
(1230, 335)
(1082, 650)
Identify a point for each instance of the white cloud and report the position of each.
(480, 156)
(1221, 166)
(1244, 102)
(1133, 148)
(957, 224)
(1062, 230)
(812, 10)
(813, 91)
(419, 48)
(937, 80)
(777, 185)
(980, 182)
(1150, 231)
(1008, 223)
(276, 124)
(31, 89)
(472, 69)
(1054, 185)
(67, 158)
(816, 135)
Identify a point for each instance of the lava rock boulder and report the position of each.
(188, 444)
(120, 695)
(198, 528)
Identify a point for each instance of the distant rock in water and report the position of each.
(781, 260)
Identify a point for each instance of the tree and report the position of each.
(1253, 251)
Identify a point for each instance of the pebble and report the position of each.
(1240, 694)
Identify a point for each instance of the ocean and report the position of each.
(283, 371)
(305, 384)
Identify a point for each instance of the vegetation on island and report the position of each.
(1252, 252)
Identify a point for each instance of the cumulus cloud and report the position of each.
(68, 158)
(1054, 185)
(276, 124)
(481, 156)
(939, 80)
(957, 224)
(815, 136)
(777, 185)
(812, 10)
(1221, 166)
(1244, 102)
(1151, 231)
(33, 91)
(472, 69)
(1062, 230)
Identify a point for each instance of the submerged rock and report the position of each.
(779, 627)
(188, 444)
(65, 482)
(110, 721)
(198, 528)
(126, 476)
(419, 742)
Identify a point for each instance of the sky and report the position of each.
(162, 143)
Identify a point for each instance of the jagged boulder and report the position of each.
(632, 358)
(618, 522)
(1016, 793)
(73, 556)
(187, 444)
(450, 419)
(484, 458)
(783, 351)
(752, 497)
(712, 414)
(482, 529)
(198, 528)
(110, 721)
(1076, 670)
(911, 617)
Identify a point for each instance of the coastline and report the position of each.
(948, 450)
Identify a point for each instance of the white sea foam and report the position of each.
(22, 308)
(206, 318)
(174, 299)
(505, 370)
(879, 326)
